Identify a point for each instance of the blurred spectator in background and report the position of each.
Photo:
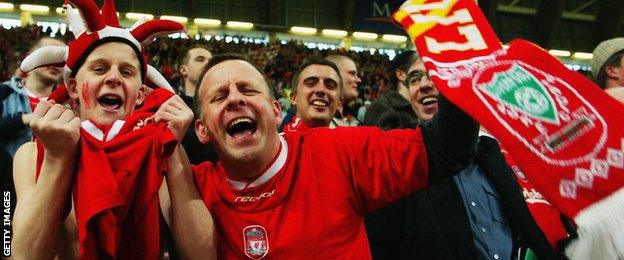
(19, 97)
(393, 109)
(607, 64)
(362, 111)
(350, 79)
(190, 63)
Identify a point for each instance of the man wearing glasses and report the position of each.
(477, 212)
(403, 107)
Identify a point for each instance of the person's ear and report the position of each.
(612, 72)
(183, 70)
(277, 111)
(293, 97)
(141, 95)
(72, 88)
(401, 75)
(202, 132)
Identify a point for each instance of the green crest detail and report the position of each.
(520, 90)
(253, 233)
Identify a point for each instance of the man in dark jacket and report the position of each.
(393, 109)
(473, 212)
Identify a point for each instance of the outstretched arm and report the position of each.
(451, 141)
(40, 204)
(187, 215)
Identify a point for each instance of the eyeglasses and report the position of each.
(414, 78)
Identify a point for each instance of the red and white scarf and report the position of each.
(565, 133)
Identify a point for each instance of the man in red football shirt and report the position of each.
(317, 88)
(304, 194)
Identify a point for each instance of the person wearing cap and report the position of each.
(606, 64)
(393, 109)
(88, 187)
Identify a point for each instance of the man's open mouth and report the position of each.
(319, 103)
(429, 100)
(241, 126)
(110, 101)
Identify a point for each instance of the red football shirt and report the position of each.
(310, 201)
(120, 170)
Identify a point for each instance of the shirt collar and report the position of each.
(270, 172)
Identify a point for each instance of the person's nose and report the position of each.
(113, 78)
(235, 99)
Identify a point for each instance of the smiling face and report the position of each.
(238, 116)
(318, 95)
(107, 86)
(423, 94)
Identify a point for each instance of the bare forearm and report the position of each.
(193, 226)
(39, 217)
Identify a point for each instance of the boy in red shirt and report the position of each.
(110, 158)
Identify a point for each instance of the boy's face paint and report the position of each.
(108, 84)
(84, 88)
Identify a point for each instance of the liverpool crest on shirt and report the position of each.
(256, 241)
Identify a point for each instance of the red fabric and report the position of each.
(553, 121)
(116, 200)
(314, 206)
(296, 125)
(548, 218)
(116, 186)
(105, 25)
(33, 102)
(60, 94)
(91, 14)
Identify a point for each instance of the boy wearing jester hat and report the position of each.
(89, 186)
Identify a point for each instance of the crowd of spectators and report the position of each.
(277, 59)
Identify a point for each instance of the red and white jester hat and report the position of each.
(93, 29)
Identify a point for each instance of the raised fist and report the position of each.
(176, 114)
(57, 127)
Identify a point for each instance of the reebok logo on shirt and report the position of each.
(255, 198)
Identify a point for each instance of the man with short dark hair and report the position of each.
(606, 64)
(317, 88)
(403, 106)
(475, 212)
(190, 63)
